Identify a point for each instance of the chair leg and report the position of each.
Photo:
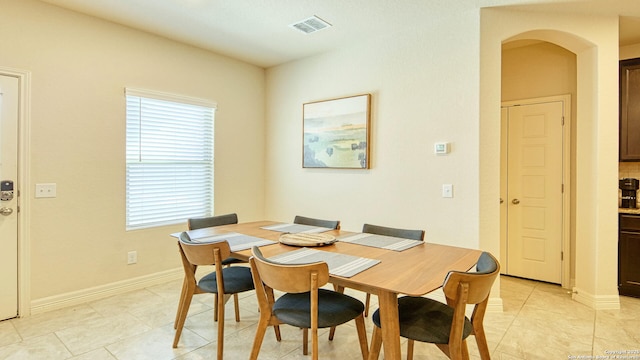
(367, 302)
(276, 330)
(215, 307)
(180, 302)
(362, 337)
(236, 306)
(182, 315)
(220, 312)
(376, 344)
(481, 340)
(305, 341)
(410, 345)
(332, 330)
(263, 323)
(314, 343)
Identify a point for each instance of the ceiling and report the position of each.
(258, 31)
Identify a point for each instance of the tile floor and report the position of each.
(540, 321)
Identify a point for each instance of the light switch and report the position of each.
(46, 190)
(447, 190)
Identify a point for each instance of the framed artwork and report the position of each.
(336, 133)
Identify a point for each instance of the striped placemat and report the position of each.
(339, 264)
(296, 228)
(381, 241)
(237, 241)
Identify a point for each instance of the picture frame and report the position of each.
(336, 133)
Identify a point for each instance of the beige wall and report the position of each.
(424, 90)
(79, 68)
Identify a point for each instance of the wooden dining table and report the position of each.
(415, 271)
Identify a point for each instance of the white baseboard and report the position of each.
(100, 292)
(596, 302)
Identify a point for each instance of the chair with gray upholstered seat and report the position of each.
(331, 224)
(224, 281)
(427, 320)
(304, 304)
(213, 221)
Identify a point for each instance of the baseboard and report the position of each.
(596, 302)
(495, 304)
(100, 292)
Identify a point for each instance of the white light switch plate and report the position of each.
(447, 190)
(46, 190)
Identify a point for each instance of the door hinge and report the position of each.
(563, 121)
(562, 188)
(561, 255)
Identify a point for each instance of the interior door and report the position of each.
(8, 205)
(534, 191)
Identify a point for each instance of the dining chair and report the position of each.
(331, 224)
(304, 304)
(224, 281)
(446, 325)
(212, 221)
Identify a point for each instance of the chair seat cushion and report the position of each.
(333, 309)
(425, 320)
(236, 279)
(232, 260)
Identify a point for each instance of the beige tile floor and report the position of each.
(540, 321)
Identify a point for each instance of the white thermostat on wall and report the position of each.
(441, 148)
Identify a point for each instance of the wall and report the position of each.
(424, 90)
(594, 40)
(538, 70)
(79, 68)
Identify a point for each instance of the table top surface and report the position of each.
(415, 271)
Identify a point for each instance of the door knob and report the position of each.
(501, 201)
(515, 201)
(6, 211)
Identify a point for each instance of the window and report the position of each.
(169, 158)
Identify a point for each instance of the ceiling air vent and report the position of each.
(310, 25)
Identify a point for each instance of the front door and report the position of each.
(534, 194)
(8, 205)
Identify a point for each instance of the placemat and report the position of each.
(296, 228)
(339, 264)
(237, 241)
(381, 241)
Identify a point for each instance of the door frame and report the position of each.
(24, 193)
(566, 180)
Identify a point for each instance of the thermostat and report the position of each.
(441, 148)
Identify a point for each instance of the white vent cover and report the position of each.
(310, 25)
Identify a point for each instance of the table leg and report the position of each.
(389, 322)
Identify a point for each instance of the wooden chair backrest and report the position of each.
(478, 284)
(288, 278)
(387, 231)
(331, 224)
(203, 253)
(211, 221)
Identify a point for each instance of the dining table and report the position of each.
(415, 271)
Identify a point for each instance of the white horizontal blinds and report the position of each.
(169, 160)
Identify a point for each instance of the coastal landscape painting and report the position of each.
(336, 133)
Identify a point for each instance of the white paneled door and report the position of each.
(534, 197)
(8, 199)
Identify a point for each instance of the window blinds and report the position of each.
(169, 157)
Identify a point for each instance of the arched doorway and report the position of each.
(595, 43)
(533, 74)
